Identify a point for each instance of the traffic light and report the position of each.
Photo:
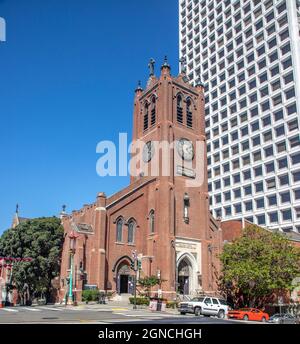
(132, 265)
(139, 264)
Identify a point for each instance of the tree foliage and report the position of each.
(257, 265)
(148, 282)
(40, 239)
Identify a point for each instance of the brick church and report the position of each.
(162, 218)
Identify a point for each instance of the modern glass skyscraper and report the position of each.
(247, 52)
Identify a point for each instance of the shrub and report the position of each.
(171, 304)
(140, 301)
(90, 295)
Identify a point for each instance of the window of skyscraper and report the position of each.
(286, 215)
(272, 200)
(259, 187)
(296, 176)
(273, 217)
(285, 197)
(248, 206)
(282, 163)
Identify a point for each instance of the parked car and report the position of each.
(206, 306)
(283, 319)
(253, 314)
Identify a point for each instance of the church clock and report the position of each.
(185, 149)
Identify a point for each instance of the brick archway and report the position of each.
(124, 279)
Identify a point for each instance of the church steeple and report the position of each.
(17, 219)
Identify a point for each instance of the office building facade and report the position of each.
(247, 52)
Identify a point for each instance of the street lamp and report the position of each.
(72, 236)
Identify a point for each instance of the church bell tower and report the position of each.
(169, 121)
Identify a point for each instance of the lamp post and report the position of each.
(72, 236)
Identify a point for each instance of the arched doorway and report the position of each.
(124, 278)
(184, 276)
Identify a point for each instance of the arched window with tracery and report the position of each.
(152, 221)
(189, 113)
(131, 230)
(119, 233)
(146, 116)
(179, 109)
(153, 110)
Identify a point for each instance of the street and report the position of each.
(97, 315)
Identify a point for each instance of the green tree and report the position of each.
(257, 265)
(40, 239)
(148, 282)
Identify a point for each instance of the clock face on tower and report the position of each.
(185, 149)
(148, 151)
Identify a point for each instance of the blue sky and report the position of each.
(68, 71)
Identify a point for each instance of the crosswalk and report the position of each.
(42, 308)
(8, 310)
(54, 309)
(57, 309)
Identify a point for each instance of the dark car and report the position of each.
(283, 319)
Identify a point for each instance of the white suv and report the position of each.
(205, 305)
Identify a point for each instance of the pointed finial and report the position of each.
(139, 87)
(199, 83)
(183, 65)
(17, 208)
(166, 64)
(63, 211)
(151, 67)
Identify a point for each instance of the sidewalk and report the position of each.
(115, 305)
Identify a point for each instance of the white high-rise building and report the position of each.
(247, 53)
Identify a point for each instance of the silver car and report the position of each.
(283, 319)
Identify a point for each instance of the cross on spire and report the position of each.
(166, 64)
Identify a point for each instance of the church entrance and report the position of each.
(184, 276)
(124, 284)
(124, 279)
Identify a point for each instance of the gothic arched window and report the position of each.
(152, 221)
(120, 230)
(179, 109)
(153, 110)
(131, 228)
(189, 114)
(146, 116)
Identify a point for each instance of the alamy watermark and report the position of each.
(2, 30)
(181, 158)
